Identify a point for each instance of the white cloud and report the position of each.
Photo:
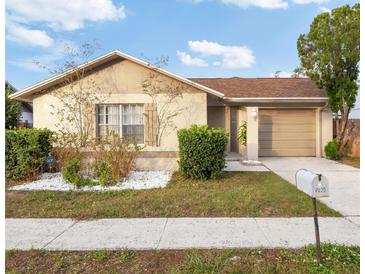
(265, 4)
(305, 2)
(26, 36)
(324, 9)
(63, 15)
(191, 61)
(232, 56)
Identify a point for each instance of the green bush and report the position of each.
(202, 151)
(26, 151)
(71, 172)
(103, 171)
(331, 150)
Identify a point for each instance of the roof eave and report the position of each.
(275, 99)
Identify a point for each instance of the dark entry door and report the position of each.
(233, 133)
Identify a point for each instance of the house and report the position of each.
(26, 118)
(284, 116)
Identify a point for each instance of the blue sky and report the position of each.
(203, 38)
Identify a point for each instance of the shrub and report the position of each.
(202, 151)
(242, 133)
(113, 158)
(331, 150)
(65, 147)
(26, 151)
(71, 172)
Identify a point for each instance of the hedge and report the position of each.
(202, 151)
(26, 151)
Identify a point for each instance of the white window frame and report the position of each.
(120, 118)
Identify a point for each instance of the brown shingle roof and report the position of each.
(237, 87)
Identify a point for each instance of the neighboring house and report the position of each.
(285, 116)
(26, 118)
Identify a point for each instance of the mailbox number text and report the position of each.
(320, 189)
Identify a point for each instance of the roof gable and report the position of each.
(22, 94)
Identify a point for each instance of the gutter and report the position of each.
(275, 99)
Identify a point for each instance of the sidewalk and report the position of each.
(177, 233)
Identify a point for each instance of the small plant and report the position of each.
(202, 152)
(126, 256)
(103, 171)
(242, 133)
(113, 158)
(331, 150)
(71, 172)
(100, 255)
(60, 262)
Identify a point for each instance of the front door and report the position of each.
(233, 133)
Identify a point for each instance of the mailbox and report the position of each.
(315, 185)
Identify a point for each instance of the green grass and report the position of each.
(336, 259)
(246, 194)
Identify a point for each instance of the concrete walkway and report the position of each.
(176, 233)
(238, 166)
(344, 180)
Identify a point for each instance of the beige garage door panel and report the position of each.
(287, 133)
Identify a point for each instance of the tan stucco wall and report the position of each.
(252, 133)
(121, 83)
(157, 164)
(326, 128)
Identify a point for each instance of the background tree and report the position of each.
(165, 96)
(13, 109)
(76, 113)
(330, 55)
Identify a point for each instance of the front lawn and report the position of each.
(337, 259)
(240, 194)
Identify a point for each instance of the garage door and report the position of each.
(287, 132)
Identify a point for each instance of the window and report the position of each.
(126, 120)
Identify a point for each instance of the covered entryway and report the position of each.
(287, 132)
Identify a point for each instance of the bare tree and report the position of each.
(165, 96)
(76, 113)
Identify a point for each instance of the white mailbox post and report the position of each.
(315, 185)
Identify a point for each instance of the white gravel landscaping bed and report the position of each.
(137, 180)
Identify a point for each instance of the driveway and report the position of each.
(344, 180)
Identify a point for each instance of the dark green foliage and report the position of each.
(202, 152)
(331, 150)
(13, 110)
(71, 172)
(26, 151)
